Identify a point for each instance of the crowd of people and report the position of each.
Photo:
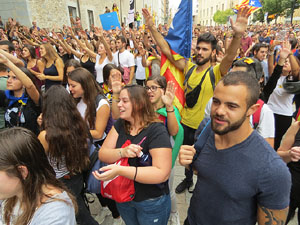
(61, 88)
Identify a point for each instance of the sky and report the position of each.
(173, 4)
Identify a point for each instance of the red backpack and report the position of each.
(256, 115)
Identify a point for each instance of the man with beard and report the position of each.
(205, 51)
(241, 179)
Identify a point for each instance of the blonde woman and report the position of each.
(53, 66)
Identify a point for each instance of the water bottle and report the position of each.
(145, 159)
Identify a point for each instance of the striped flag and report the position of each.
(179, 39)
(254, 5)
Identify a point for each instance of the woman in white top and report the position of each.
(280, 101)
(30, 192)
(95, 110)
(140, 74)
(103, 57)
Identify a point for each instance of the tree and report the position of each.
(258, 16)
(221, 17)
(275, 6)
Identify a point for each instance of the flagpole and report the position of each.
(121, 12)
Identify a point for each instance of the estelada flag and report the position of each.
(179, 39)
(254, 5)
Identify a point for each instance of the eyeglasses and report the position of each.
(152, 88)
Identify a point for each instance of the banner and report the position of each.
(110, 21)
(131, 12)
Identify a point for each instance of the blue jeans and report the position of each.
(154, 211)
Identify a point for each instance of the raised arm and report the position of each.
(99, 34)
(167, 99)
(161, 42)
(286, 150)
(239, 28)
(26, 81)
(82, 45)
(13, 59)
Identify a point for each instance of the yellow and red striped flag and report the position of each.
(179, 39)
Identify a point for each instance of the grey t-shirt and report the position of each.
(59, 211)
(232, 182)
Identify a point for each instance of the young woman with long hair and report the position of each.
(161, 96)
(30, 192)
(53, 66)
(21, 99)
(64, 138)
(85, 90)
(138, 124)
(33, 64)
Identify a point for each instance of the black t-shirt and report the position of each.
(156, 137)
(18, 115)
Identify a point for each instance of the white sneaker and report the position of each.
(102, 215)
(174, 219)
(118, 221)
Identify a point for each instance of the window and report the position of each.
(222, 7)
(91, 17)
(207, 12)
(211, 11)
(216, 7)
(72, 15)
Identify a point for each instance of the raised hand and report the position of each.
(286, 50)
(169, 95)
(116, 81)
(98, 32)
(148, 17)
(241, 22)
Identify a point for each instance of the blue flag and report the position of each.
(255, 3)
(180, 33)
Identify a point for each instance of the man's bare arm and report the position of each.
(161, 42)
(270, 216)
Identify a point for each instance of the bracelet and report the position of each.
(135, 174)
(120, 153)
(170, 111)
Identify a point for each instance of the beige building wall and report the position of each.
(207, 9)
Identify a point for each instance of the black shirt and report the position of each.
(156, 137)
(18, 115)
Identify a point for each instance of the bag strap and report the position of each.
(188, 74)
(256, 115)
(212, 77)
(200, 84)
(201, 140)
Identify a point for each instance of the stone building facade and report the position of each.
(50, 13)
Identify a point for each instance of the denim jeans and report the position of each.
(154, 211)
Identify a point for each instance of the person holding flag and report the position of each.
(200, 77)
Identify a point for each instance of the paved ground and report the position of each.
(182, 200)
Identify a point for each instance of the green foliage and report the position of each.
(258, 16)
(221, 17)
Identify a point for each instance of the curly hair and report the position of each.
(66, 132)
